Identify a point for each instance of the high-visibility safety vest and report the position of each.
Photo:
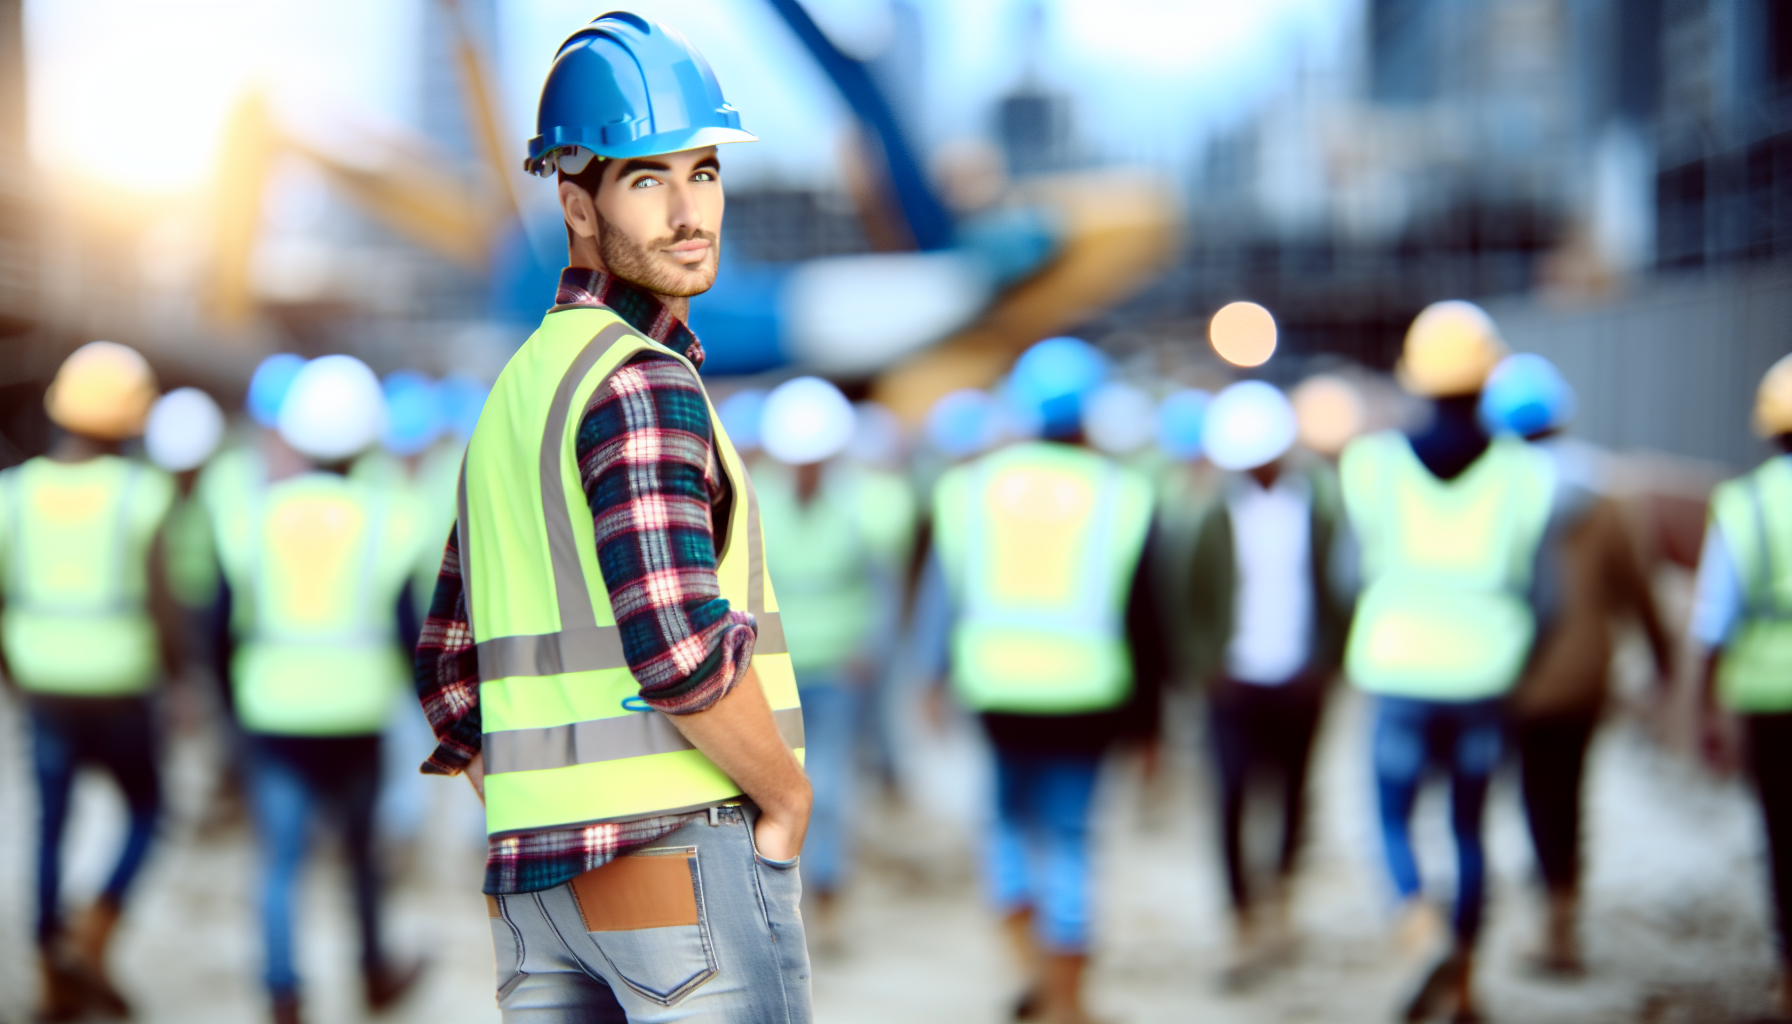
(829, 552)
(568, 739)
(1039, 543)
(76, 539)
(1446, 566)
(316, 565)
(1754, 515)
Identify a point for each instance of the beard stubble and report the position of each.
(642, 265)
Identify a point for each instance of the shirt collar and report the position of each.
(638, 307)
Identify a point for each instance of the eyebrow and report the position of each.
(708, 162)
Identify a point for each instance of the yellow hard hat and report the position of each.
(1773, 402)
(1450, 349)
(103, 390)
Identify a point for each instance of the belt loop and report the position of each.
(715, 817)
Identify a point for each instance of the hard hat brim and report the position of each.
(660, 144)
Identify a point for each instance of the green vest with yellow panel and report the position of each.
(77, 538)
(568, 740)
(1754, 515)
(1446, 567)
(316, 565)
(1039, 543)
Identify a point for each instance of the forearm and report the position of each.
(737, 733)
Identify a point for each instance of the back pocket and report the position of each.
(644, 912)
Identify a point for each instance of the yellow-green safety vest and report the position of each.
(76, 539)
(317, 565)
(568, 739)
(191, 554)
(857, 526)
(1446, 566)
(1754, 513)
(1039, 543)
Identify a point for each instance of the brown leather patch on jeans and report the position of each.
(652, 889)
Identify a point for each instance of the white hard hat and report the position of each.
(334, 410)
(805, 420)
(184, 429)
(1249, 424)
(1119, 418)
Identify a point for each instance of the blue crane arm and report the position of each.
(928, 220)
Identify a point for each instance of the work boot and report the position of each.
(1018, 927)
(1447, 992)
(386, 984)
(1560, 955)
(1062, 989)
(61, 990)
(1248, 960)
(92, 938)
(286, 1009)
(1419, 931)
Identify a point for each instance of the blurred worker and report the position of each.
(839, 535)
(1269, 634)
(1041, 548)
(1594, 579)
(1449, 523)
(87, 630)
(1742, 615)
(317, 569)
(604, 656)
(184, 430)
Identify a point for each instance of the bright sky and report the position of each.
(136, 92)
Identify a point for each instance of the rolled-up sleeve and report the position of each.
(645, 457)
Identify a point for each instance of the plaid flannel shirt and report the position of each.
(656, 492)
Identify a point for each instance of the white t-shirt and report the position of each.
(1272, 621)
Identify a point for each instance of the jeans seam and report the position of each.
(522, 949)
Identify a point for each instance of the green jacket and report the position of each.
(1213, 584)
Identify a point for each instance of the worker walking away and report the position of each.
(317, 567)
(1449, 523)
(1742, 616)
(1590, 579)
(87, 630)
(1054, 644)
(604, 655)
(1268, 631)
(839, 535)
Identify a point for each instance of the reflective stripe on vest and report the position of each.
(1754, 513)
(76, 621)
(1446, 565)
(1040, 543)
(320, 656)
(568, 740)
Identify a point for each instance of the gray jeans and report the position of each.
(693, 927)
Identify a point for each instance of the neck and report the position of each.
(1266, 475)
(77, 448)
(808, 482)
(584, 255)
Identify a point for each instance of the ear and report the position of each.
(581, 212)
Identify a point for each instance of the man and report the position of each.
(840, 535)
(1449, 523)
(1742, 615)
(89, 627)
(604, 656)
(1269, 635)
(1591, 578)
(317, 568)
(1041, 548)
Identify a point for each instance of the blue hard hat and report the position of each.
(1181, 416)
(1051, 379)
(963, 423)
(626, 87)
(1526, 395)
(741, 414)
(461, 398)
(413, 412)
(268, 387)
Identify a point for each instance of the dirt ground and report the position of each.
(1676, 928)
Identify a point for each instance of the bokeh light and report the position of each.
(1243, 333)
(1329, 410)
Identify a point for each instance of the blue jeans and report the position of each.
(1463, 739)
(1038, 856)
(290, 777)
(115, 734)
(830, 728)
(695, 926)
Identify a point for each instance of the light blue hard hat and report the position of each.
(741, 415)
(1181, 418)
(413, 412)
(268, 387)
(963, 423)
(624, 87)
(1051, 379)
(461, 398)
(1526, 395)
